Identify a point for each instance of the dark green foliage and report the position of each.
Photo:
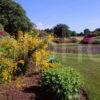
(97, 31)
(73, 33)
(87, 31)
(80, 34)
(61, 31)
(49, 31)
(13, 17)
(65, 83)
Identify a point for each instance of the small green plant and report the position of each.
(53, 59)
(65, 83)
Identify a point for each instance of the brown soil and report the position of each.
(27, 88)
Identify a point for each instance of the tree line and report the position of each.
(62, 30)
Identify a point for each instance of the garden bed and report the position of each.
(29, 89)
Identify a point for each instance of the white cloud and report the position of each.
(40, 24)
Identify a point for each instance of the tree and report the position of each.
(87, 31)
(13, 17)
(61, 31)
(48, 30)
(80, 34)
(73, 33)
(97, 31)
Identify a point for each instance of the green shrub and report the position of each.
(96, 41)
(53, 59)
(65, 83)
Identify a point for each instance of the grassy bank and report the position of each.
(89, 67)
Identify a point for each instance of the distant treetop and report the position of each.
(61, 30)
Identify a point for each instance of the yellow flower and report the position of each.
(5, 75)
(35, 47)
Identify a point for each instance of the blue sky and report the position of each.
(77, 14)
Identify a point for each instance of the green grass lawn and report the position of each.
(89, 67)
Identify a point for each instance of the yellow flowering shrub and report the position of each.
(7, 67)
(8, 57)
(15, 53)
